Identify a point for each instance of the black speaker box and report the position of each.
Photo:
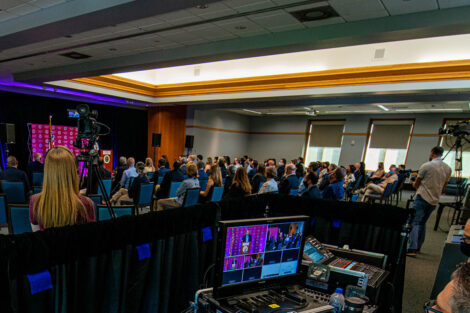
(189, 142)
(156, 140)
(7, 133)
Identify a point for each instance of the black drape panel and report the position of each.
(96, 267)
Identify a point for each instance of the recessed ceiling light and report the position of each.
(240, 27)
(202, 6)
(75, 55)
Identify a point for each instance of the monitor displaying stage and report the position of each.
(262, 251)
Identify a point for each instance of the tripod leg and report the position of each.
(103, 191)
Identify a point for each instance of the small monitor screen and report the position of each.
(313, 253)
(262, 251)
(73, 113)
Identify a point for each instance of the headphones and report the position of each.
(58, 147)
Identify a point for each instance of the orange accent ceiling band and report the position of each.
(383, 74)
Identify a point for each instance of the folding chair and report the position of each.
(173, 188)
(18, 219)
(14, 191)
(119, 210)
(107, 187)
(37, 189)
(217, 194)
(3, 208)
(293, 192)
(37, 179)
(191, 197)
(384, 196)
(144, 197)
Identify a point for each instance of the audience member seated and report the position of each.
(378, 174)
(130, 172)
(149, 166)
(290, 181)
(47, 209)
(214, 180)
(379, 188)
(174, 175)
(133, 192)
(167, 163)
(35, 167)
(228, 179)
(310, 189)
(200, 158)
(236, 163)
(201, 174)
(402, 174)
(208, 166)
(183, 161)
(240, 185)
(104, 173)
(271, 184)
(299, 169)
(349, 177)
(223, 168)
(324, 180)
(252, 169)
(281, 169)
(258, 180)
(335, 189)
(189, 183)
(13, 173)
(119, 171)
(323, 169)
(161, 171)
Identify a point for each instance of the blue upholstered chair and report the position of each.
(14, 191)
(173, 188)
(191, 197)
(119, 210)
(217, 194)
(37, 179)
(3, 208)
(18, 219)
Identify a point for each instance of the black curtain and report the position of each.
(97, 267)
(128, 126)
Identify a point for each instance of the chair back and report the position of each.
(37, 179)
(203, 184)
(3, 208)
(145, 194)
(107, 187)
(18, 219)
(359, 182)
(159, 180)
(394, 186)
(150, 175)
(131, 180)
(119, 210)
(37, 189)
(14, 191)
(354, 197)
(173, 188)
(387, 191)
(191, 197)
(217, 194)
(293, 192)
(301, 179)
(96, 201)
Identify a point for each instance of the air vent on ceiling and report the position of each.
(315, 14)
(75, 55)
(379, 53)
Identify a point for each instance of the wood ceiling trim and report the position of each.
(384, 74)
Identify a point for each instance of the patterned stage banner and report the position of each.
(63, 136)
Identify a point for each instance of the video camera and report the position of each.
(88, 128)
(460, 129)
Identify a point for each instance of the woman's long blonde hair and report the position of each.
(148, 162)
(241, 180)
(216, 175)
(58, 203)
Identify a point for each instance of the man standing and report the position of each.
(431, 182)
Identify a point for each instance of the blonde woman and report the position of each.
(59, 203)
(208, 166)
(149, 166)
(214, 180)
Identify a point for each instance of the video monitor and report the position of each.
(259, 251)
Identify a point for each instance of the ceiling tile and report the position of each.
(211, 32)
(23, 9)
(242, 27)
(444, 4)
(8, 4)
(182, 36)
(46, 3)
(308, 6)
(357, 6)
(213, 10)
(179, 17)
(275, 19)
(329, 21)
(396, 7)
(365, 15)
(283, 2)
(248, 5)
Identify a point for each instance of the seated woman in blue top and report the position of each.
(189, 183)
(271, 184)
(335, 190)
(310, 187)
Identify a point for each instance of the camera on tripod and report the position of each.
(457, 130)
(88, 128)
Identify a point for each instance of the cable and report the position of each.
(205, 275)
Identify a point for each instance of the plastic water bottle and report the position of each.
(337, 300)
